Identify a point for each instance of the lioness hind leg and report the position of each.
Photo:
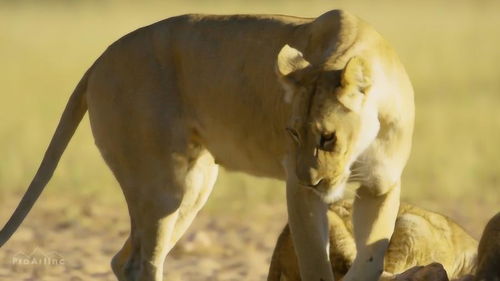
(126, 263)
(160, 216)
(198, 185)
(161, 226)
(146, 138)
(161, 209)
(156, 179)
(154, 208)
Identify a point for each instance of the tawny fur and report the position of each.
(170, 102)
(420, 237)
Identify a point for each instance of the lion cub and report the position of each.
(420, 238)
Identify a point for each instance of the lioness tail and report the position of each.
(70, 119)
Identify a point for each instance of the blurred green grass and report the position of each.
(450, 49)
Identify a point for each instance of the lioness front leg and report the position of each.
(374, 217)
(309, 227)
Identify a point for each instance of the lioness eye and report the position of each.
(294, 135)
(327, 141)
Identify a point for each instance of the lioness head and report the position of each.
(333, 118)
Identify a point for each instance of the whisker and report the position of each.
(356, 179)
(357, 169)
(357, 176)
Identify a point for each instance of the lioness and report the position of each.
(170, 102)
(420, 238)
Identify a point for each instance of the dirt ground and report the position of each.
(74, 236)
(77, 242)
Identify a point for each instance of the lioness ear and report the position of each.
(289, 63)
(355, 82)
(356, 74)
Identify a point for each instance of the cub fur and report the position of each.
(420, 237)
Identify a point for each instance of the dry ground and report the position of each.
(84, 233)
(222, 247)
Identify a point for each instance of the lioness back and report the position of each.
(219, 68)
(213, 69)
(420, 237)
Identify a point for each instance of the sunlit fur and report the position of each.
(170, 102)
(330, 101)
(421, 237)
(357, 91)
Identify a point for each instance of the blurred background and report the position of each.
(450, 50)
